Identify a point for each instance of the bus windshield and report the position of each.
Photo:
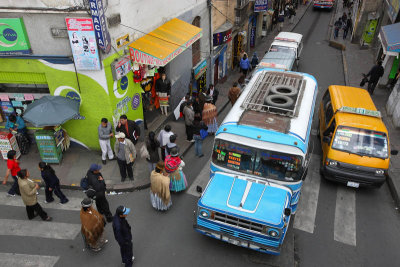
(263, 163)
(361, 142)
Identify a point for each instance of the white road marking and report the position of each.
(73, 203)
(307, 208)
(25, 260)
(345, 216)
(202, 179)
(34, 228)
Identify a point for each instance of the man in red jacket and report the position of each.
(129, 128)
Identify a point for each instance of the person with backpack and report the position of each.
(210, 116)
(52, 183)
(160, 195)
(97, 190)
(198, 125)
(173, 166)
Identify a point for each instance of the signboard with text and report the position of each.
(222, 37)
(83, 43)
(13, 37)
(260, 5)
(100, 25)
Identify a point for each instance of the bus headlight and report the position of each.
(379, 172)
(273, 233)
(204, 213)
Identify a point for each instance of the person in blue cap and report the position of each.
(123, 235)
(98, 193)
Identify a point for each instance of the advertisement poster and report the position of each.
(260, 5)
(13, 37)
(83, 43)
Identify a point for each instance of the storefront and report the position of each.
(97, 92)
(220, 64)
(199, 82)
(389, 37)
(158, 48)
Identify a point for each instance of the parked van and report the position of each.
(354, 139)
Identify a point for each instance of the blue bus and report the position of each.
(260, 157)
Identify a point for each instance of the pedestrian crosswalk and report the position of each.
(344, 230)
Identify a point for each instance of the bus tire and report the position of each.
(279, 101)
(283, 90)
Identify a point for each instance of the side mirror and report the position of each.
(199, 189)
(326, 139)
(287, 212)
(394, 152)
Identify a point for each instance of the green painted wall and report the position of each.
(96, 102)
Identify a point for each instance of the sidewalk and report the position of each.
(355, 62)
(76, 160)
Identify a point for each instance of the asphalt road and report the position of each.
(334, 225)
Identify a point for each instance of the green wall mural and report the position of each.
(98, 94)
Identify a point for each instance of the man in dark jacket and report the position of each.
(374, 75)
(98, 190)
(123, 235)
(129, 128)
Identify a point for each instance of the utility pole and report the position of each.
(209, 3)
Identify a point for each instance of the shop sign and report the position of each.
(83, 43)
(253, 32)
(260, 5)
(393, 7)
(13, 37)
(144, 58)
(100, 25)
(200, 69)
(121, 41)
(222, 37)
(120, 67)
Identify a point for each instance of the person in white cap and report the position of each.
(126, 154)
(92, 226)
(123, 235)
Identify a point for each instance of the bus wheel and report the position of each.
(280, 101)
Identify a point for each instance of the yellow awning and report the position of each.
(163, 44)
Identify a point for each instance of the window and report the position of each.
(328, 113)
(263, 163)
(361, 142)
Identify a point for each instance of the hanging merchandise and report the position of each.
(146, 84)
(137, 76)
(143, 69)
(151, 70)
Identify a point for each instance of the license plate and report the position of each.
(353, 184)
(233, 241)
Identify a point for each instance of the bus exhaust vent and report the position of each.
(276, 92)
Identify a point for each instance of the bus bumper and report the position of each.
(237, 241)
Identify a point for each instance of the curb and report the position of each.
(301, 17)
(392, 188)
(345, 69)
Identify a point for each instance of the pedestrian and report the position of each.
(338, 25)
(152, 145)
(241, 82)
(202, 100)
(274, 18)
(123, 235)
(129, 128)
(213, 93)
(163, 90)
(160, 195)
(98, 190)
(234, 93)
(92, 228)
(209, 116)
(281, 20)
(254, 60)
(374, 75)
(345, 3)
(126, 155)
(173, 166)
(245, 65)
(292, 13)
(28, 189)
(13, 169)
(197, 106)
(348, 27)
(163, 139)
(344, 17)
(105, 133)
(189, 117)
(16, 124)
(52, 183)
(183, 104)
(171, 144)
(198, 124)
(242, 53)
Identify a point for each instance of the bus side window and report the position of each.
(329, 131)
(328, 112)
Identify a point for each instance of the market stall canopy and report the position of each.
(163, 44)
(51, 110)
(390, 37)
